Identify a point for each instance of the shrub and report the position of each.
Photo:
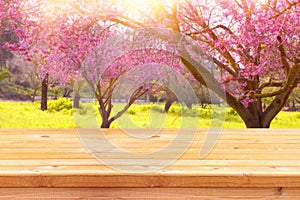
(232, 112)
(144, 108)
(61, 104)
(176, 109)
(205, 113)
(131, 112)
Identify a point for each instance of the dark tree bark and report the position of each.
(67, 92)
(105, 105)
(170, 99)
(168, 106)
(76, 101)
(105, 123)
(34, 94)
(44, 98)
(5, 55)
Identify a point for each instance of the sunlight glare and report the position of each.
(133, 4)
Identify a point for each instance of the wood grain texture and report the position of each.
(244, 164)
(151, 193)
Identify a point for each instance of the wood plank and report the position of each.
(241, 158)
(181, 162)
(169, 170)
(133, 145)
(151, 193)
(142, 150)
(72, 133)
(148, 181)
(161, 156)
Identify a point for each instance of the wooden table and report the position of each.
(244, 164)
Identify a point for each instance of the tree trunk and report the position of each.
(67, 92)
(44, 97)
(168, 105)
(34, 94)
(256, 122)
(253, 116)
(105, 123)
(170, 98)
(76, 100)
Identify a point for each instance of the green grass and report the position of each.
(60, 115)
(28, 115)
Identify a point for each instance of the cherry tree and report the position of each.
(133, 65)
(58, 36)
(53, 35)
(22, 18)
(21, 21)
(255, 45)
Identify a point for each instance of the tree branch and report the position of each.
(291, 5)
(281, 98)
(283, 55)
(271, 83)
(137, 94)
(225, 67)
(271, 94)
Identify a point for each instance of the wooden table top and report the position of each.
(60, 158)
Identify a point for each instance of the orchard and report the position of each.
(252, 47)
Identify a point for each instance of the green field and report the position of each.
(61, 115)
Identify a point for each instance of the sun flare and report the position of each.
(148, 3)
(139, 2)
